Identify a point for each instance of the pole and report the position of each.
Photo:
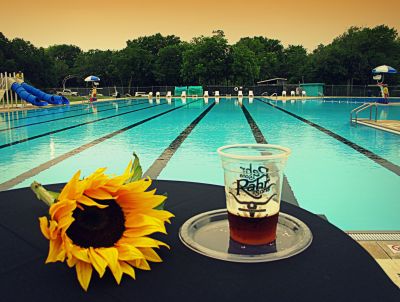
(7, 90)
(15, 94)
(23, 79)
(2, 87)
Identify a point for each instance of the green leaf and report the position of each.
(161, 205)
(54, 194)
(136, 168)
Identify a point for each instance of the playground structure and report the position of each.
(15, 93)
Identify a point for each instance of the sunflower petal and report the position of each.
(62, 208)
(144, 231)
(56, 251)
(97, 261)
(70, 189)
(98, 194)
(90, 202)
(127, 269)
(150, 254)
(138, 220)
(84, 273)
(143, 242)
(128, 252)
(72, 261)
(159, 214)
(80, 253)
(140, 263)
(44, 226)
(111, 256)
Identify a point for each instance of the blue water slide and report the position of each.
(26, 96)
(51, 99)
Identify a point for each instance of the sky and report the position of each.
(108, 24)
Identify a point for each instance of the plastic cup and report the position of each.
(253, 175)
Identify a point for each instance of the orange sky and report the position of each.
(107, 24)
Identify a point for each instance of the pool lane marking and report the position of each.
(161, 162)
(371, 155)
(46, 165)
(81, 107)
(67, 117)
(73, 126)
(260, 139)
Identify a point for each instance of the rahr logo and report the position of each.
(253, 182)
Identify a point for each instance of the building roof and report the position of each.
(271, 80)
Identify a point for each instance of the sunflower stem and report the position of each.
(42, 194)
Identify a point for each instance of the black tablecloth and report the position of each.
(333, 268)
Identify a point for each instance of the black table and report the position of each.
(333, 268)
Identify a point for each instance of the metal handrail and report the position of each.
(357, 109)
(361, 108)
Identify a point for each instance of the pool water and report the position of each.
(356, 185)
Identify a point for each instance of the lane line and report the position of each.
(77, 107)
(46, 165)
(161, 162)
(287, 192)
(371, 155)
(67, 117)
(72, 127)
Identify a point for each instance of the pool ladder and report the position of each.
(354, 113)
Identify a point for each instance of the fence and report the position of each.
(329, 90)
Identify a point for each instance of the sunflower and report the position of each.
(104, 221)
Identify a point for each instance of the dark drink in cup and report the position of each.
(253, 231)
(253, 176)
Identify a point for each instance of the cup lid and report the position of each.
(254, 151)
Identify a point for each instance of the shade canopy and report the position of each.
(92, 78)
(384, 69)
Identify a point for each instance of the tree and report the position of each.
(205, 60)
(64, 53)
(244, 66)
(154, 43)
(269, 54)
(169, 63)
(351, 56)
(135, 66)
(295, 63)
(95, 62)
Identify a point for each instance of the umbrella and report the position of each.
(92, 79)
(384, 69)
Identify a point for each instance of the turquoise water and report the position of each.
(327, 176)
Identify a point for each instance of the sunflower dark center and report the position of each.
(95, 227)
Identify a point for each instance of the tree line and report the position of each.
(207, 60)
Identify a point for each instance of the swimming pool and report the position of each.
(349, 174)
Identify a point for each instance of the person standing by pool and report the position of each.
(385, 92)
(93, 96)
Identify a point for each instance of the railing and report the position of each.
(356, 111)
(329, 90)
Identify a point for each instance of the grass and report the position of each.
(81, 98)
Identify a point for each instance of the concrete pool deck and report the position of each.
(382, 252)
(392, 126)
